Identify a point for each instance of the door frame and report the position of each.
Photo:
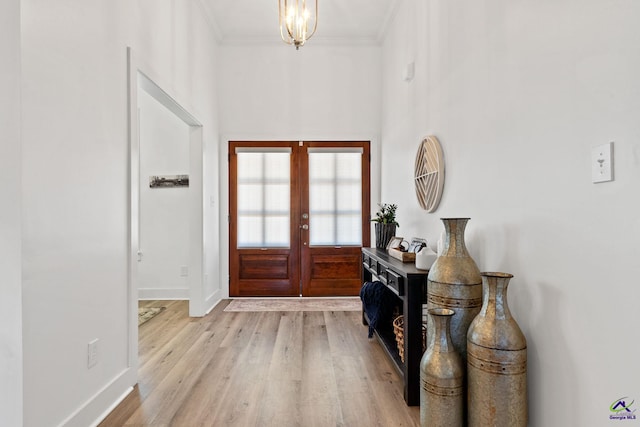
(138, 74)
(297, 251)
(285, 135)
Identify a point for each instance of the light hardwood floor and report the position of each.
(261, 369)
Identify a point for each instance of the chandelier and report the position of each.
(295, 19)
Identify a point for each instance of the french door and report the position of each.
(298, 217)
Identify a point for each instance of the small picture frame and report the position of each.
(168, 181)
(395, 243)
(416, 244)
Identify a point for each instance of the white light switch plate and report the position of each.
(92, 353)
(602, 163)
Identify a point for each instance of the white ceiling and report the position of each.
(340, 21)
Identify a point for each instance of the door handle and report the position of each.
(305, 226)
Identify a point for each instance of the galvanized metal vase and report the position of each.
(454, 282)
(441, 376)
(496, 361)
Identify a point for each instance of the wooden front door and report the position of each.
(299, 215)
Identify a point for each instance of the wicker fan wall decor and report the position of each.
(429, 173)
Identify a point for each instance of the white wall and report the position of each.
(75, 185)
(273, 92)
(518, 93)
(164, 212)
(10, 219)
(270, 90)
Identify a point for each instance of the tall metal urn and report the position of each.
(454, 283)
(496, 361)
(441, 376)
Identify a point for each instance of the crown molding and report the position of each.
(258, 40)
(390, 16)
(211, 19)
(262, 39)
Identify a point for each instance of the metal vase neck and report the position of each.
(494, 295)
(442, 334)
(454, 238)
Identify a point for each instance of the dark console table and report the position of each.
(410, 286)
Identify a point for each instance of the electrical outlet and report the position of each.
(184, 271)
(92, 353)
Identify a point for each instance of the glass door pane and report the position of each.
(263, 199)
(335, 197)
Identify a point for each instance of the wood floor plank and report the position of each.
(286, 360)
(161, 405)
(346, 337)
(353, 383)
(206, 403)
(261, 369)
(366, 377)
(284, 378)
(241, 399)
(320, 404)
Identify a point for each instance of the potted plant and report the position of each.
(386, 224)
